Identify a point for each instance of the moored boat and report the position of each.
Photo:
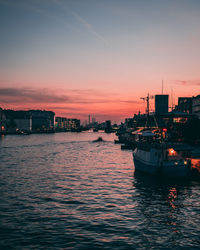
(154, 156)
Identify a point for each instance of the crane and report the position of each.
(147, 100)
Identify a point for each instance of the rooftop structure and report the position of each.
(196, 106)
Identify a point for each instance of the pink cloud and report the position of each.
(188, 82)
(71, 103)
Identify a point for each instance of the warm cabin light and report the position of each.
(180, 119)
(185, 162)
(172, 151)
(195, 164)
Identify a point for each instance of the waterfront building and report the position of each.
(196, 106)
(161, 104)
(180, 126)
(60, 123)
(66, 124)
(17, 121)
(42, 120)
(2, 121)
(73, 124)
(190, 105)
(184, 104)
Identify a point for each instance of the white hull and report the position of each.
(152, 162)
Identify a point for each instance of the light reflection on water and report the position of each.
(65, 191)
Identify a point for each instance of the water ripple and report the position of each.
(63, 191)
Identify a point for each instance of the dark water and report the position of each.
(62, 191)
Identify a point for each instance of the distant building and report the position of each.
(161, 104)
(73, 124)
(18, 121)
(60, 123)
(102, 126)
(66, 124)
(196, 106)
(108, 128)
(42, 120)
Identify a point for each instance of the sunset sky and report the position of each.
(97, 57)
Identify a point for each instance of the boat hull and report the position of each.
(145, 168)
(167, 169)
(176, 170)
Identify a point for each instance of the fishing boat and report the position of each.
(153, 155)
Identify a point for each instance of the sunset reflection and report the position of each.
(172, 197)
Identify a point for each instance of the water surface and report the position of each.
(63, 191)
